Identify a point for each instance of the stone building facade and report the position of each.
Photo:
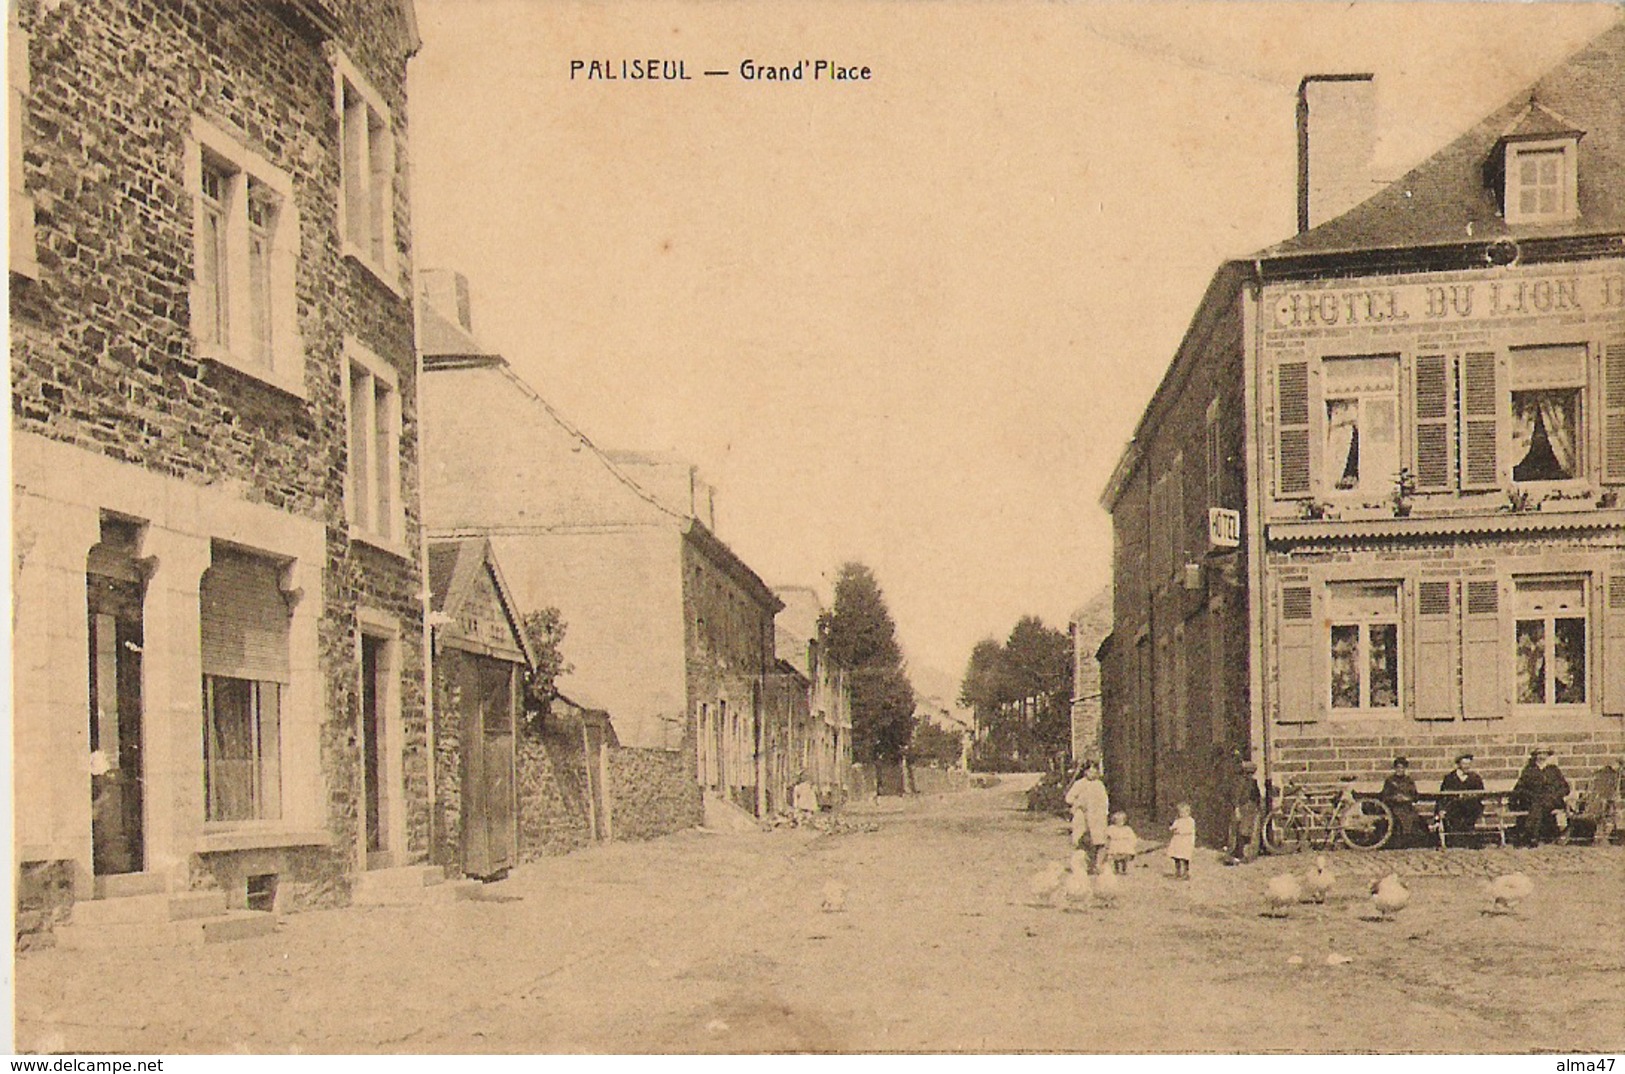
(219, 662)
(1427, 454)
(667, 630)
(820, 749)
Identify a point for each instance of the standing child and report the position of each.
(1182, 843)
(1121, 843)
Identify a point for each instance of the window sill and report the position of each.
(389, 279)
(383, 544)
(294, 386)
(213, 842)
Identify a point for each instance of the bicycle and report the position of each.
(1319, 818)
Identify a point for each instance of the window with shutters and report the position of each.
(245, 251)
(1547, 428)
(1364, 640)
(1437, 660)
(1481, 652)
(244, 629)
(1480, 424)
(1361, 439)
(1434, 434)
(1292, 456)
(372, 492)
(1613, 410)
(1175, 518)
(1215, 457)
(1549, 640)
(1299, 699)
(367, 175)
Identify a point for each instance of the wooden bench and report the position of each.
(1498, 817)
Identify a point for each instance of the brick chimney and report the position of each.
(1337, 137)
(447, 290)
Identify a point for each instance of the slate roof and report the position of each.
(1446, 199)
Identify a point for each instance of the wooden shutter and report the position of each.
(1434, 669)
(1480, 433)
(244, 619)
(1482, 697)
(1613, 645)
(1300, 700)
(1292, 431)
(1613, 411)
(1433, 423)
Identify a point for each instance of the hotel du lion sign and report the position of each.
(1432, 303)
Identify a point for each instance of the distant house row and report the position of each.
(277, 522)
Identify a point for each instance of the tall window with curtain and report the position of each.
(1548, 386)
(1362, 424)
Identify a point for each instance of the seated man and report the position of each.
(1540, 789)
(1399, 795)
(1460, 809)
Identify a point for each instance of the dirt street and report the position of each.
(716, 943)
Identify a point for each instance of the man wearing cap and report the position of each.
(1246, 812)
(1460, 809)
(1399, 795)
(1541, 788)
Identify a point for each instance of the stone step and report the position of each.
(149, 908)
(191, 932)
(405, 883)
(128, 885)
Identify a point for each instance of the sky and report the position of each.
(911, 320)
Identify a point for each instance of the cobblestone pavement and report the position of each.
(716, 943)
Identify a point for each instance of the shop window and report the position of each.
(367, 165)
(245, 627)
(1364, 641)
(1550, 641)
(1362, 424)
(245, 247)
(1547, 429)
(372, 493)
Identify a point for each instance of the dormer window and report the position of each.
(1534, 168)
(1540, 182)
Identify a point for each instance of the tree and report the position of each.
(544, 630)
(933, 745)
(1021, 692)
(863, 639)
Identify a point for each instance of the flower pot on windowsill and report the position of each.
(1402, 510)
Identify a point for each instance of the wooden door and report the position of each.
(490, 836)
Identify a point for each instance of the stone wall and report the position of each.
(553, 813)
(44, 900)
(653, 792)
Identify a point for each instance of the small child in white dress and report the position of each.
(1121, 843)
(1182, 843)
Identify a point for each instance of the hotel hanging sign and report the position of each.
(1472, 300)
(1223, 527)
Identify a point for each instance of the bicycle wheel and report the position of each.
(1366, 824)
(1285, 833)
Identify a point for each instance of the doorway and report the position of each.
(374, 691)
(114, 592)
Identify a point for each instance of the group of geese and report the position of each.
(1071, 886)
